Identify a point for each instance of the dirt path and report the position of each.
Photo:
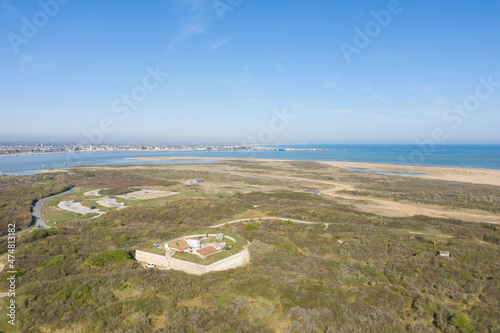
(3, 261)
(267, 218)
(326, 224)
(395, 209)
(389, 208)
(2, 266)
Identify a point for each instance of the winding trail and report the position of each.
(2, 266)
(267, 218)
(326, 224)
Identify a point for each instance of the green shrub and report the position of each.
(58, 260)
(103, 258)
(85, 289)
(100, 259)
(120, 255)
(251, 227)
(462, 323)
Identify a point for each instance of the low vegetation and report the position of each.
(360, 272)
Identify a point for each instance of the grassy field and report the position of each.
(383, 275)
(156, 250)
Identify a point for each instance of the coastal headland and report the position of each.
(327, 240)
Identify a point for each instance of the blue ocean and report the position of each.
(462, 156)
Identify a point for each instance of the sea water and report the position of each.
(461, 156)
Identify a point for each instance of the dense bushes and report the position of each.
(103, 258)
(251, 227)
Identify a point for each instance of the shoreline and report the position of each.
(86, 151)
(21, 154)
(352, 164)
(460, 174)
(158, 158)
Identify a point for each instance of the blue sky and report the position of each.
(230, 73)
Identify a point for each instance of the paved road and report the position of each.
(37, 210)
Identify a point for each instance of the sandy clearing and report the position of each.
(466, 175)
(396, 209)
(93, 193)
(111, 203)
(146, 194)
(53, 170)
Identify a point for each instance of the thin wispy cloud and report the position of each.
(28, 64)
(25, 60)
(333, 85)
(433, 108)
(188, 31)
(216, 45)
(341, 112)
(196, 16)
(8, 12)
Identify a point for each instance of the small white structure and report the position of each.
(443, 253)
(194, 181)
(220, 246)
(219, 237)
(195, 244)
